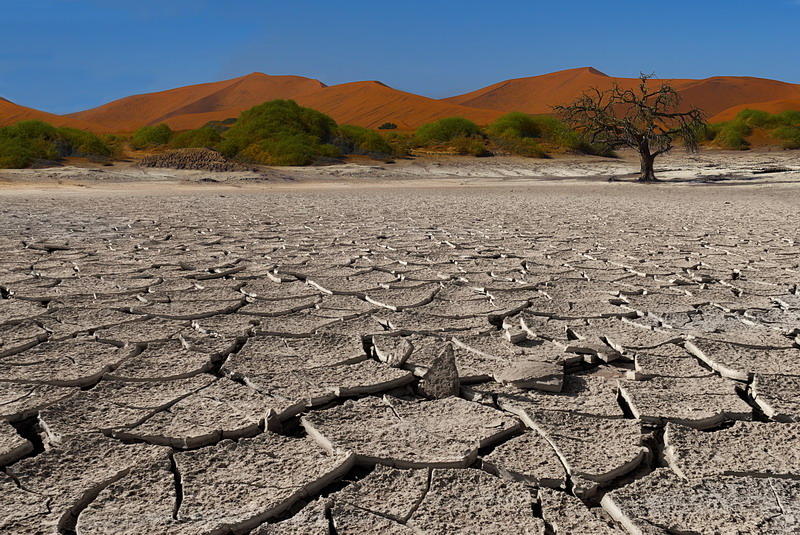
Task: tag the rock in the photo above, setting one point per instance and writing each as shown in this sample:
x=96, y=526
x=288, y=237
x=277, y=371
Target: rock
x=392, y=350
x=238, y=485
x=472, y=501
x=699, y=402
x=745, y=449
x=528, y=458
x=441, y=379
x=193, y=158
x=662, y=501
x=576, y=440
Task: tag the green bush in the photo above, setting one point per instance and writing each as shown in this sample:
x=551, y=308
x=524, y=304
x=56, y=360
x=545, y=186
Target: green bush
x=280, y=132
x=400, y=143
x=472, y=145
x=204, y=137
x=151, y=136
x=789, y=136
x=27, y=141
x=732, y=135
x=445, y=130
x=515, y=124
x=519, y=146
x=784, y=126
x=356, y=140
x=388, y=126
x=220, y=127
x=14, y=154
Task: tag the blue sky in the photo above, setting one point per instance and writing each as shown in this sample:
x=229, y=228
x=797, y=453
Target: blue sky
x=68, y=55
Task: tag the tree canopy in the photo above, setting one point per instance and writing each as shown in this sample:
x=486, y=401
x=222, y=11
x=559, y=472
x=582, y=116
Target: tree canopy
x=648, y=118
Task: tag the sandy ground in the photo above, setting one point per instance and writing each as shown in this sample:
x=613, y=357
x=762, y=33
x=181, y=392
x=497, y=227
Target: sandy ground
x=724, y=167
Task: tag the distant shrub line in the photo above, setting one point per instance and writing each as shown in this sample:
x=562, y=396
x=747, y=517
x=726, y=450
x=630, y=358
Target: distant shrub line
x=280, y=132
x=783, y=127
x=26, y=142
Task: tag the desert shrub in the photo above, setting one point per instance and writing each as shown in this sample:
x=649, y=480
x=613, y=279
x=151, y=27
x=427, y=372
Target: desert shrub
x=790, y=117
x=732, y=135
x=220, y=127
x=519, y=146
x=280, y=132
x=356, y=140
x=444, y=130
x=472, y=145
x=784, y=126
x=297, y=149
x=400, y=143
x=758, y=118
x=387, y=126
x=27, y=141
x=515, y=124
x=789, y=136
x=14, y=154
x=204, y=137
x=81, y=143
x=151, y=136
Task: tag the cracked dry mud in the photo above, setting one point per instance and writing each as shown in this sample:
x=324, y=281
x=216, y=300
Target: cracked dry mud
x=558, y=359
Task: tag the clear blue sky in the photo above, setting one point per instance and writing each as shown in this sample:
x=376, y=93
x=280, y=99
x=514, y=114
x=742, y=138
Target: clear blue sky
x=68, y=55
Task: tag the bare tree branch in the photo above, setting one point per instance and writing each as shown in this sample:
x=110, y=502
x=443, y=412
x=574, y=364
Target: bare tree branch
x=648, y=119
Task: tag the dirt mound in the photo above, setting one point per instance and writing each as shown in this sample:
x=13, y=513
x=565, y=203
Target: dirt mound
x=196, y=159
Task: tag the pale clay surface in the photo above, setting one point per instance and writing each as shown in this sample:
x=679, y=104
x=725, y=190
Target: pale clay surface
x=260, y=354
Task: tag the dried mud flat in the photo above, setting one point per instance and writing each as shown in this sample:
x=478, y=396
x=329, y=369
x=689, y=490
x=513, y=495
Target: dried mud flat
x=554, y=359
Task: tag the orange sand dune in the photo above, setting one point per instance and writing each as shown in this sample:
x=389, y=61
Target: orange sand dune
x=367, y=104
x=370, y=104
x=715, y=95
x=238, y=94
x=11, y=113
x=772, y=106
x=537, y=94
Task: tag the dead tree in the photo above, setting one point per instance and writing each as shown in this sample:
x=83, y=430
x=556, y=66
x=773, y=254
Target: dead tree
x=647, y=119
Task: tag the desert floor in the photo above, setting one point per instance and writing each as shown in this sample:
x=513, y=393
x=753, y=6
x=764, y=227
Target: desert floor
x=425, y=347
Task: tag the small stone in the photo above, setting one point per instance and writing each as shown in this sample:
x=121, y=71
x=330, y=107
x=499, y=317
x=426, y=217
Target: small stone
x=441, y=380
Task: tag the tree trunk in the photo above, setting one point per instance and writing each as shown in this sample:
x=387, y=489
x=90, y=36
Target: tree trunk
x=647, y=174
